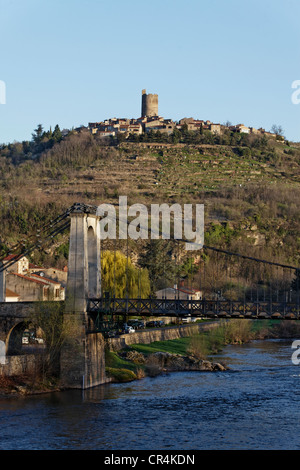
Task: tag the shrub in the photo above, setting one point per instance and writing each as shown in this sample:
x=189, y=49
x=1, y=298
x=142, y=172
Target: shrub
x=198, y=346
x=120, y=375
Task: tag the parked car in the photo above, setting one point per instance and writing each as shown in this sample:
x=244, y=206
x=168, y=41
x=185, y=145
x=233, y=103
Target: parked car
x=186, y=319
x=129, y=329
x=39, y=340
x=135, y=325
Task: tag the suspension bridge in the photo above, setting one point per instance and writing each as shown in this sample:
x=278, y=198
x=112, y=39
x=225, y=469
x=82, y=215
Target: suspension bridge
x=235, y=286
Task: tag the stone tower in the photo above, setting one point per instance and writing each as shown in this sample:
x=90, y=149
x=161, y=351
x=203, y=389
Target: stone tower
x=149, y=104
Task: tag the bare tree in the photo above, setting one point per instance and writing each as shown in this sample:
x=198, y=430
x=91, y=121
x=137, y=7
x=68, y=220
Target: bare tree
x=276, y=129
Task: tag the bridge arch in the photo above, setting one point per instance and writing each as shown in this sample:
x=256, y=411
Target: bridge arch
x=14, y=339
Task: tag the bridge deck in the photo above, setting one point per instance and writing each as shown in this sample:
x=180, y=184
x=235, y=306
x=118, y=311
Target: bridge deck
x=197, y=308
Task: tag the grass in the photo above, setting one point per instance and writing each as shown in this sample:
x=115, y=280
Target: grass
x=213, y=341
x=113, y=360
x=121, y=370
x=121, y=375
x=174, y=346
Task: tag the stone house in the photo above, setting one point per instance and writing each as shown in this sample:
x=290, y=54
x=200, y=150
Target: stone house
x=34, y=287
x=241, y=129
x=20, y=267
x=31, y=283
x=59, y=275
x=183, y=293
x=11, y=296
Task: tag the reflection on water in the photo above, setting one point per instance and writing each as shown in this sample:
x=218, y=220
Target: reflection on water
x=252, y=406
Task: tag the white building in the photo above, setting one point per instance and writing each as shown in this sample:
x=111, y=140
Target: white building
x=183, y=293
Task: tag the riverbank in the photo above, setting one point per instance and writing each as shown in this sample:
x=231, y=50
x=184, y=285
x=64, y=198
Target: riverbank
x=26, y=384
x=189, y=350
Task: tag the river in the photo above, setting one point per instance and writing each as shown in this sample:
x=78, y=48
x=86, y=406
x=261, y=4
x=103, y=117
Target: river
x=254, y=405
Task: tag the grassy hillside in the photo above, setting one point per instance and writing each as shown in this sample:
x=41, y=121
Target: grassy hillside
x=250, y=187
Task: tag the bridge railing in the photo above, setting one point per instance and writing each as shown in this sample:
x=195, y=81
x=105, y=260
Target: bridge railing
x=197, y=308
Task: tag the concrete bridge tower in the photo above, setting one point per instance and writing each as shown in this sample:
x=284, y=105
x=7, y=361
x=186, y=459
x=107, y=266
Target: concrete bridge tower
x=84, y=264
x=149, y=104
x=82, y=363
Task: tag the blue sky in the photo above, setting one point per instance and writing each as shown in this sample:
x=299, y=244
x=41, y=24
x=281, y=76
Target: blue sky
x=71, y=62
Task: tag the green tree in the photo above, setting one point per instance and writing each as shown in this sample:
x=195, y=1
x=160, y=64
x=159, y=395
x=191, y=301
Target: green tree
x=157, y=258
x=38, y=134
x=119, y=276
x=57, y=135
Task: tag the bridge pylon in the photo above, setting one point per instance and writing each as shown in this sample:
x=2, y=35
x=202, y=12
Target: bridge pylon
x=82, y=361
x=84, y=264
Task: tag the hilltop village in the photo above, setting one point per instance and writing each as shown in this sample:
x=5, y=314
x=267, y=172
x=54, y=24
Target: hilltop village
x=151, y=121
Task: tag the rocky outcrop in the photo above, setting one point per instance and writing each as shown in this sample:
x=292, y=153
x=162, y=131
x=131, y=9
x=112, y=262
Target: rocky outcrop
x=175, y=362
x=167, y=362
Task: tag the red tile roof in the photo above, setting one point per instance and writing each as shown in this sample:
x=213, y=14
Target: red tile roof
x=10, y=293
x=29, y=278
x=9, y=257
x=42, y=278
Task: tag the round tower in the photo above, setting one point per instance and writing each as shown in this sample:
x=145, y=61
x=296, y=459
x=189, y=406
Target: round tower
x=149, y=104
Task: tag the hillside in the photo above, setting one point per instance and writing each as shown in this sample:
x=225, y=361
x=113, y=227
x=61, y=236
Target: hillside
x=250, y=188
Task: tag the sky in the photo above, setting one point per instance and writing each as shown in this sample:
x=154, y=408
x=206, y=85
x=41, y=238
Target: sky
x=71, y=62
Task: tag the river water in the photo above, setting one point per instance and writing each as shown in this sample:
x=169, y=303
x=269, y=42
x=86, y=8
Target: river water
x=254, y=405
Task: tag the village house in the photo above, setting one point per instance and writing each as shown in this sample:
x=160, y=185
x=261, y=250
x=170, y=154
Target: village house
x=182, y=293
x=11, y=296
x=20, y=267
x=165, y=126
x=34, y=288
x=151, y=121
x=146, y=124
x=240, y=128
x=26, y=282
x=59, y=275
x=113, y=126
x=196, y=125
